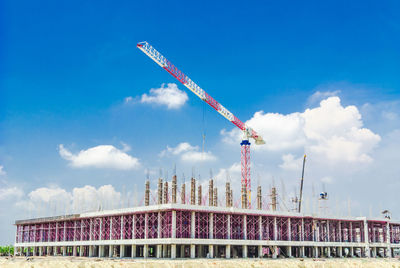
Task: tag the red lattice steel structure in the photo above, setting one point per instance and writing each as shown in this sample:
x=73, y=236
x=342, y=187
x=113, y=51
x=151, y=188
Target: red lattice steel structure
x=192, y=86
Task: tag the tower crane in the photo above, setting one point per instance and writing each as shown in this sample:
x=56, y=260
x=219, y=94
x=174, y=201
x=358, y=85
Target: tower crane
x=192, y=86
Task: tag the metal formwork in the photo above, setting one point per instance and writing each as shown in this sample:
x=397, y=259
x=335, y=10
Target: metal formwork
x=158, y=230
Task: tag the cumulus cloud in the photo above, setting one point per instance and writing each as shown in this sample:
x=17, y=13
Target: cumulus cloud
x=105, y=197
x=290, y=163
x=321, y=95
x=167, y=95
x=330, y=131
x=188, y=153
x=10, y=193
x=2, y=172
x=101, y=156
x=80, y=199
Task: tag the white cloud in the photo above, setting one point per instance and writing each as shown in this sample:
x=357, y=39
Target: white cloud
x=188, y=153
x=47, y=195
x=105, y=197
x=330, y=131
x=128, y=99
x=10, y=192
x=195, y=156
x=58, y=200
x=169, y=96
x=101, y=156
x=327, y=180
x=321, y=95
x=2, y=172
x=290, y=163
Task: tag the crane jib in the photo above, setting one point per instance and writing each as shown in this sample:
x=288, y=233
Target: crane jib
x=186, y=81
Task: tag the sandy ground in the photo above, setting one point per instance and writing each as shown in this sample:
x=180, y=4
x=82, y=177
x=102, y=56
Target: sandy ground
x=65, y=262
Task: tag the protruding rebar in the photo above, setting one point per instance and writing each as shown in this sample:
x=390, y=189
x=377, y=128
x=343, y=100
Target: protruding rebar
x=160, y=191
x=173, y=193
x=231, y=198
x=215, y=197
x=165, y=201
x=228, y=194
x=193, y=191
x=273, y=199
x=199, y=195
x=210, y=192
x=147, y=194
x=183, y=194
x=259, y=199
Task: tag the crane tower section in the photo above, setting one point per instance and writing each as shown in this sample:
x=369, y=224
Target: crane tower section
x=192, y=86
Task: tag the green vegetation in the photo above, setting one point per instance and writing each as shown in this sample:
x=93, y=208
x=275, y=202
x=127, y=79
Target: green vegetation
x=6, y=250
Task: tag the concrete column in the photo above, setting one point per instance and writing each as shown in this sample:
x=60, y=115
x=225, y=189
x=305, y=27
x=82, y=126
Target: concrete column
x=303, y=252
x=192, y=251
x=229, y=226
x=275, y=252
x=34, y=250
x=193, y=225
x=317, y=231
x=327, y=231
x=275, y=230
x=110, y=251
x=260, y=227
x=316, y=252
x=55, y=251
x=65, y=231
x=101, y=249
x=340, y=251
x=40, y=251
x=373, y=252
x=165, y=251
x=367, y=253
x=133, y=226
x=351, y=232
x=122, y=227
x=352, y=252
x=81, y=251
x=64, y=251
x=244, y=227
x=133, y=251
x=228, y=251
x=289, y=251
x=260, y=251
x=244, y=251
x=173, y=251
x=340, y=232
x=182, y=251
x=211, y=250
x=90, y=251
x=289, y=229
x=159, y=225
x=146, y=226
x=388, y=248
x=211, y=225
x=122, y=251
x=159, y=251
x=328, y=252
x=174, y=226
x=146, y=251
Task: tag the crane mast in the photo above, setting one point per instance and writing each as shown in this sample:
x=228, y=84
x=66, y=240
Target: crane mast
x=248, y=132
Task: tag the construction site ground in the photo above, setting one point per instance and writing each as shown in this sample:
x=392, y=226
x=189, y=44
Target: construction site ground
x=77, y=262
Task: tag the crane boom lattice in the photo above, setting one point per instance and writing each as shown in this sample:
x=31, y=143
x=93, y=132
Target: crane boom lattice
x=192, y=86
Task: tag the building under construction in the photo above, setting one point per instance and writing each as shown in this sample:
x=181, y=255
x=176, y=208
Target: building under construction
x=197, y=226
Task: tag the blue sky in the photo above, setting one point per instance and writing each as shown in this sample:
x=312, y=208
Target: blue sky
x=67, y=68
